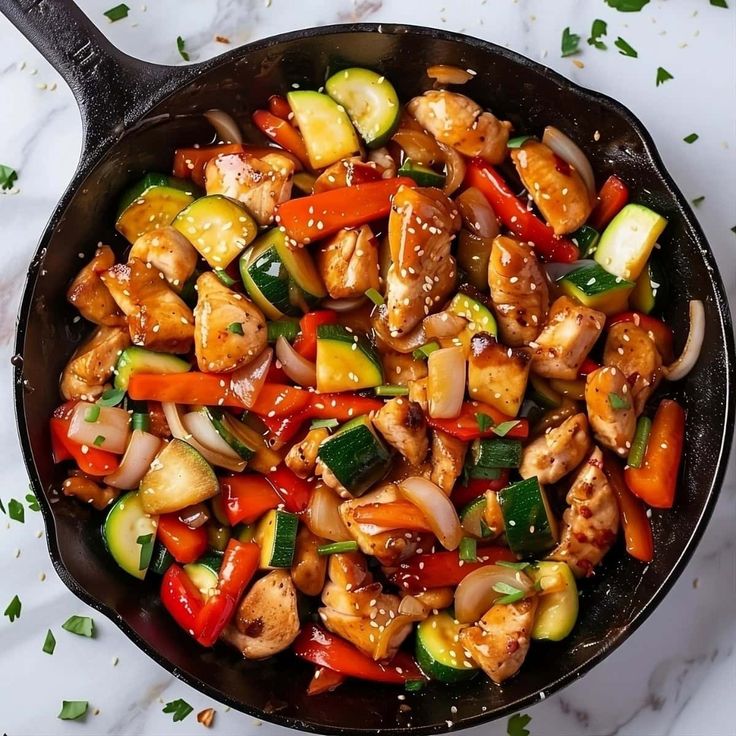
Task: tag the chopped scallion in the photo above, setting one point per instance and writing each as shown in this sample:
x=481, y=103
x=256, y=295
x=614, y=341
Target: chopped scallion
x=92, y=414
x=324, y=424
x=336, y=548
x=375, y=297
x=391, y=390
x=639, y=443
x=425, y=351
x=468, y=549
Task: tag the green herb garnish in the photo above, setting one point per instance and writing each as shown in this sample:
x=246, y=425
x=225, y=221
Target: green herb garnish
x=414, y=686
x=180, y=708
x=324, y=424
x=510, y=594
x=484, y=421
x=618, y=402
x=224, y=276
x=8, y=177
x=32, y=501
x=13, y=609
x=627, y=6
x=502, y=429
x=111, y=397
x=663, y=75
x=570, y=43
x=375, y=296
x=624, y=48
x=236, y=328
x=71, y=710
x=336, y=548
x=425, y=351
x=49, y=643
x=517, y=725
x=517, y=142
x=699, y=200
x=117, y=13
x=691, y=138
x=639, y=443
x=180, y=44
x=141, y=421
x=92, y=414
x=520, y=566
x=597, y=31
x=468, y=550
x=391, y=390
x=99, y=440
x=146, y=543
x=79, y=625
x=719, y=3
x=16, y=511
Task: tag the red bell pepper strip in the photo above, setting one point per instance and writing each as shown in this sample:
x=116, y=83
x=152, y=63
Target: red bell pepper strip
x=189, y=163
x=319, y=215
x=276, y=374
x=181, y=598
x=279, y=106
x=283, y=133
x=322, y=648
x=213, y=618
x=659, y=332
x=282, y=430
x=211, y=389
x=342, y=406
x=293, y=490
x=612, y=197
x=90, y=460
x=324, y=680
x=246, y=497
x=306, y=341
x=440, y=569
x=346, y=174
x=588, y=366
x=184, y=543
x=279, y=400
x=465, y=427
x=516, y=216
x=634, y=519
x=655, y=482
x=463, y=495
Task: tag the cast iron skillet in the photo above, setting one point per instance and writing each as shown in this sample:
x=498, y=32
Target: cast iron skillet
x=134, y=115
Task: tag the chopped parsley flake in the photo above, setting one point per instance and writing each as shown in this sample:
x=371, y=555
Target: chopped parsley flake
x=484, y=421
x=180, y=708
x=618, y=402
x=146, y=543
x=517, y=725
x=111, y=397
x=99, y=440
x=13, y=609
x=699, y=200
x=597, y=31
x=663, y=75
x=691, y=138
x=16, y=511
x=49, y=643
x=625, y=49
x=117, y=13
x=79, y=625
x=570, y=43
x=236, y=328
x=8, y=177
x=627, y=6
x=180, y=44
x=71, y=710
x=719, y=3
x=32, y=501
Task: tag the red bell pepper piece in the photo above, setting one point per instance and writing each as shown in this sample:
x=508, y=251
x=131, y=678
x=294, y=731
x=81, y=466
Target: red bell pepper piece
x=516, y=216
x=306, y=341
x=279, y=106
x=184, y=543
x=282, y=133
x=181, y=598
x=324, y=680
x=283, y=429
x=634, y=519
x=655, y=482
x=90, y=460
x=346, y=174
x=588, y=366
x=342, y=406
x=463, y=495
x=276, y=374
x=293, y=490
x=465, y=427
x=213, y=618
x=211, y=389
x=612, y=197
x=659, y=332
x=440, y=569
x=246, y=497
x=279, y=400
x=322, y=648
x=189, y=163
x=319, y=215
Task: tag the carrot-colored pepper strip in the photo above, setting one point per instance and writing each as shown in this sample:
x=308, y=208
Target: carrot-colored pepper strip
x=283, y=133
x=393, y=515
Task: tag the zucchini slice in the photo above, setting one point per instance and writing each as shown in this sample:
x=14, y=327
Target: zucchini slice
x=325, y=126
x=203, y=577
x=480, y=318
x=126, y=522
x=422, y=175
x=501, y=452
x=596, y=288
x=152, y=202
x=439, y=652
x=587, y=238
x=472, y=519
x=232, y=431
x=530, y=525
x=542, y=393
x=178, y=477
x=371, y=102
x=355, y=455
x=218, y=227
x=162, y=559
x=650, y=289
x=346, y=361
x=557, y=611
x=275, y=534
x=287, y=328
x=139, y=360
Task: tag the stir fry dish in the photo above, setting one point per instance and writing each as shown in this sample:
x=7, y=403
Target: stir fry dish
x=379, y=389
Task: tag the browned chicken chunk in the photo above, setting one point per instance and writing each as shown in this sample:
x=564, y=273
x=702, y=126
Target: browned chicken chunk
x=348, y=263
x=166, y=249
x=302, y=457
x=448, y=458
x=404, y=426
x=610, y=409
x=90, y=296
x=401, y=369
x=87, y=491
x=308, y=568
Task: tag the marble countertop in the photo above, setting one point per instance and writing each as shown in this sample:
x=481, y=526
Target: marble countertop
x=676, y=675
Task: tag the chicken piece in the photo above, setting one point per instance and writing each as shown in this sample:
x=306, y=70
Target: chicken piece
x=259, y=183
x=448, y=458
x=497, y=375
x=492, y=515
x=157, y=318
x=555, y=186
x=267, y=621
x=348, y=570
x=87, y=491
x=556, y=453
x=346, y=173
x=567, y=338
x=308, y=568
x=348, y=263
x=402, y=369
x=610, y=411
x=404, y=426
x=90, y=296
x=436, y=599
x=229, y=330
x=422, y=274
x=590, y=522
x=519, y=291
x=630, y=349
x=93, y=362
x=500, y=641
x=166, y=249
x=418, y=393
x=458, y=121
x=302, y=457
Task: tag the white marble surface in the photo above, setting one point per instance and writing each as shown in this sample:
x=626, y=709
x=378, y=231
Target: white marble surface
x=677, y=674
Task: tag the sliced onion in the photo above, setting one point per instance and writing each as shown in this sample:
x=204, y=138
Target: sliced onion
x=200, y=427
x=446, y=382
x=110, y=423
x=475, y=594
x=402, y=344
x=437, y=508
x=454, y=168
x=570, y=152
x=411, y=606
x=343, y=305
x=393, y=632
x=385, y=160
x=228, y=131
x=323, y=515
x=178, y=430
x=302, y=371
x=478, y=215
x=139, y=454
x=246, y=382
x=446, y=74
x=691, y=352
x=194, y=516
x=419, y=146
x=444, y=324
x=556, y=271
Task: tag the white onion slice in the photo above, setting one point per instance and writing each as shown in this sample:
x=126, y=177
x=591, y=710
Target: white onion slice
x=691, y=352
x=323, y=515
x=110, y=423
x=446, y=382
x=446, y=74
x=556, y=271
x=454, y=168
x=437, y=508
x=478, y=215
x=570, y=152
x=302, y=371
x=139, y=454
x=475, y=595
x=200, y=427
x=246, y=382
x=402, y=343
x=444, y=324
x=343, y=305
x=228, y=131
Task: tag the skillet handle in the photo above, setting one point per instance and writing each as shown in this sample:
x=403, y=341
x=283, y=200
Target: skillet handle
x=111, y=88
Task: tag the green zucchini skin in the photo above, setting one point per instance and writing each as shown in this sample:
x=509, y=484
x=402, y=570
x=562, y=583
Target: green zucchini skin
x=276, y=536
x=139, y=360
x=472, y=519
x=530, y=525
x=125, y=523
x=595, y=287
x=500, y=452
x=226, y=426
x=346, y=361
x=422, y=175
x=435, y=644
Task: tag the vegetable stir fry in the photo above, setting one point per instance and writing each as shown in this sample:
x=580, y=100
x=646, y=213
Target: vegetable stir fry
x=377, y=389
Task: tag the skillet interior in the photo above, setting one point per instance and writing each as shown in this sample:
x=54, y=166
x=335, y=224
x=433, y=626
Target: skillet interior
x=621, y=594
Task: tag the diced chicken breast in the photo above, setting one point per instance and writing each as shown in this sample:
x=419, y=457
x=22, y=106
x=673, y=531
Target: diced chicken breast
x=567, y=338
x=448, y=458
x=519, y=291
x=458, y=121
x=404, y=426
x=87, y=491
x=555, y=186
x=610, y=410
x=229, y=331
x=308, y=568
x=590, y=523
x=302, y=457
x=402, y=368
x=556, y=453
x=166, y=249
x=93, y=362
x=157, y=318
x=90, y=296
x=348, y=263
x=418, y=393
x=348, y=570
